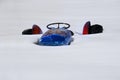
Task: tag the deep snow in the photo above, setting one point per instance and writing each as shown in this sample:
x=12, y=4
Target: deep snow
x=89, y=57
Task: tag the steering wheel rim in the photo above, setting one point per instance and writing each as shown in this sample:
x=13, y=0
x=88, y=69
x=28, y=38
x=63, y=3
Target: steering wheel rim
x=68, y=25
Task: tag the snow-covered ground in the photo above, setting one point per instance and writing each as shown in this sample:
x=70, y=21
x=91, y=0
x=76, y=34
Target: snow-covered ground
x=89, y=57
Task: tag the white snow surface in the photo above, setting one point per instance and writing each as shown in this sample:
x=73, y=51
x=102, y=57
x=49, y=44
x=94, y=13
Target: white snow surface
x=89, y=57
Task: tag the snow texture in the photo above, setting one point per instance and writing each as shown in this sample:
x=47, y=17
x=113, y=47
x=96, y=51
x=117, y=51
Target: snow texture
x=89, y=57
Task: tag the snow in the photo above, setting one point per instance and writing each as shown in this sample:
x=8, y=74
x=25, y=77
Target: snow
x=89, y=57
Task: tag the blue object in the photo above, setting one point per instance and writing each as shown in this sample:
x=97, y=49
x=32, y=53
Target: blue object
x=56, y=37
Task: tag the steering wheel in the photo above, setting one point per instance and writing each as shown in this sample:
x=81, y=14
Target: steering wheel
x=59, y=23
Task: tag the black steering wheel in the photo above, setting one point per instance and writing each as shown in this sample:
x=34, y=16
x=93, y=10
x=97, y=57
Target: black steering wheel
x=59, y=23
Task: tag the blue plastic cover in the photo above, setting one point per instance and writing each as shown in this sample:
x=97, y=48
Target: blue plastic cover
x=56, y=37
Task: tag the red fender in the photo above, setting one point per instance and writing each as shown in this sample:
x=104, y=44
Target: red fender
x=86, y=28
x=36, y=30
